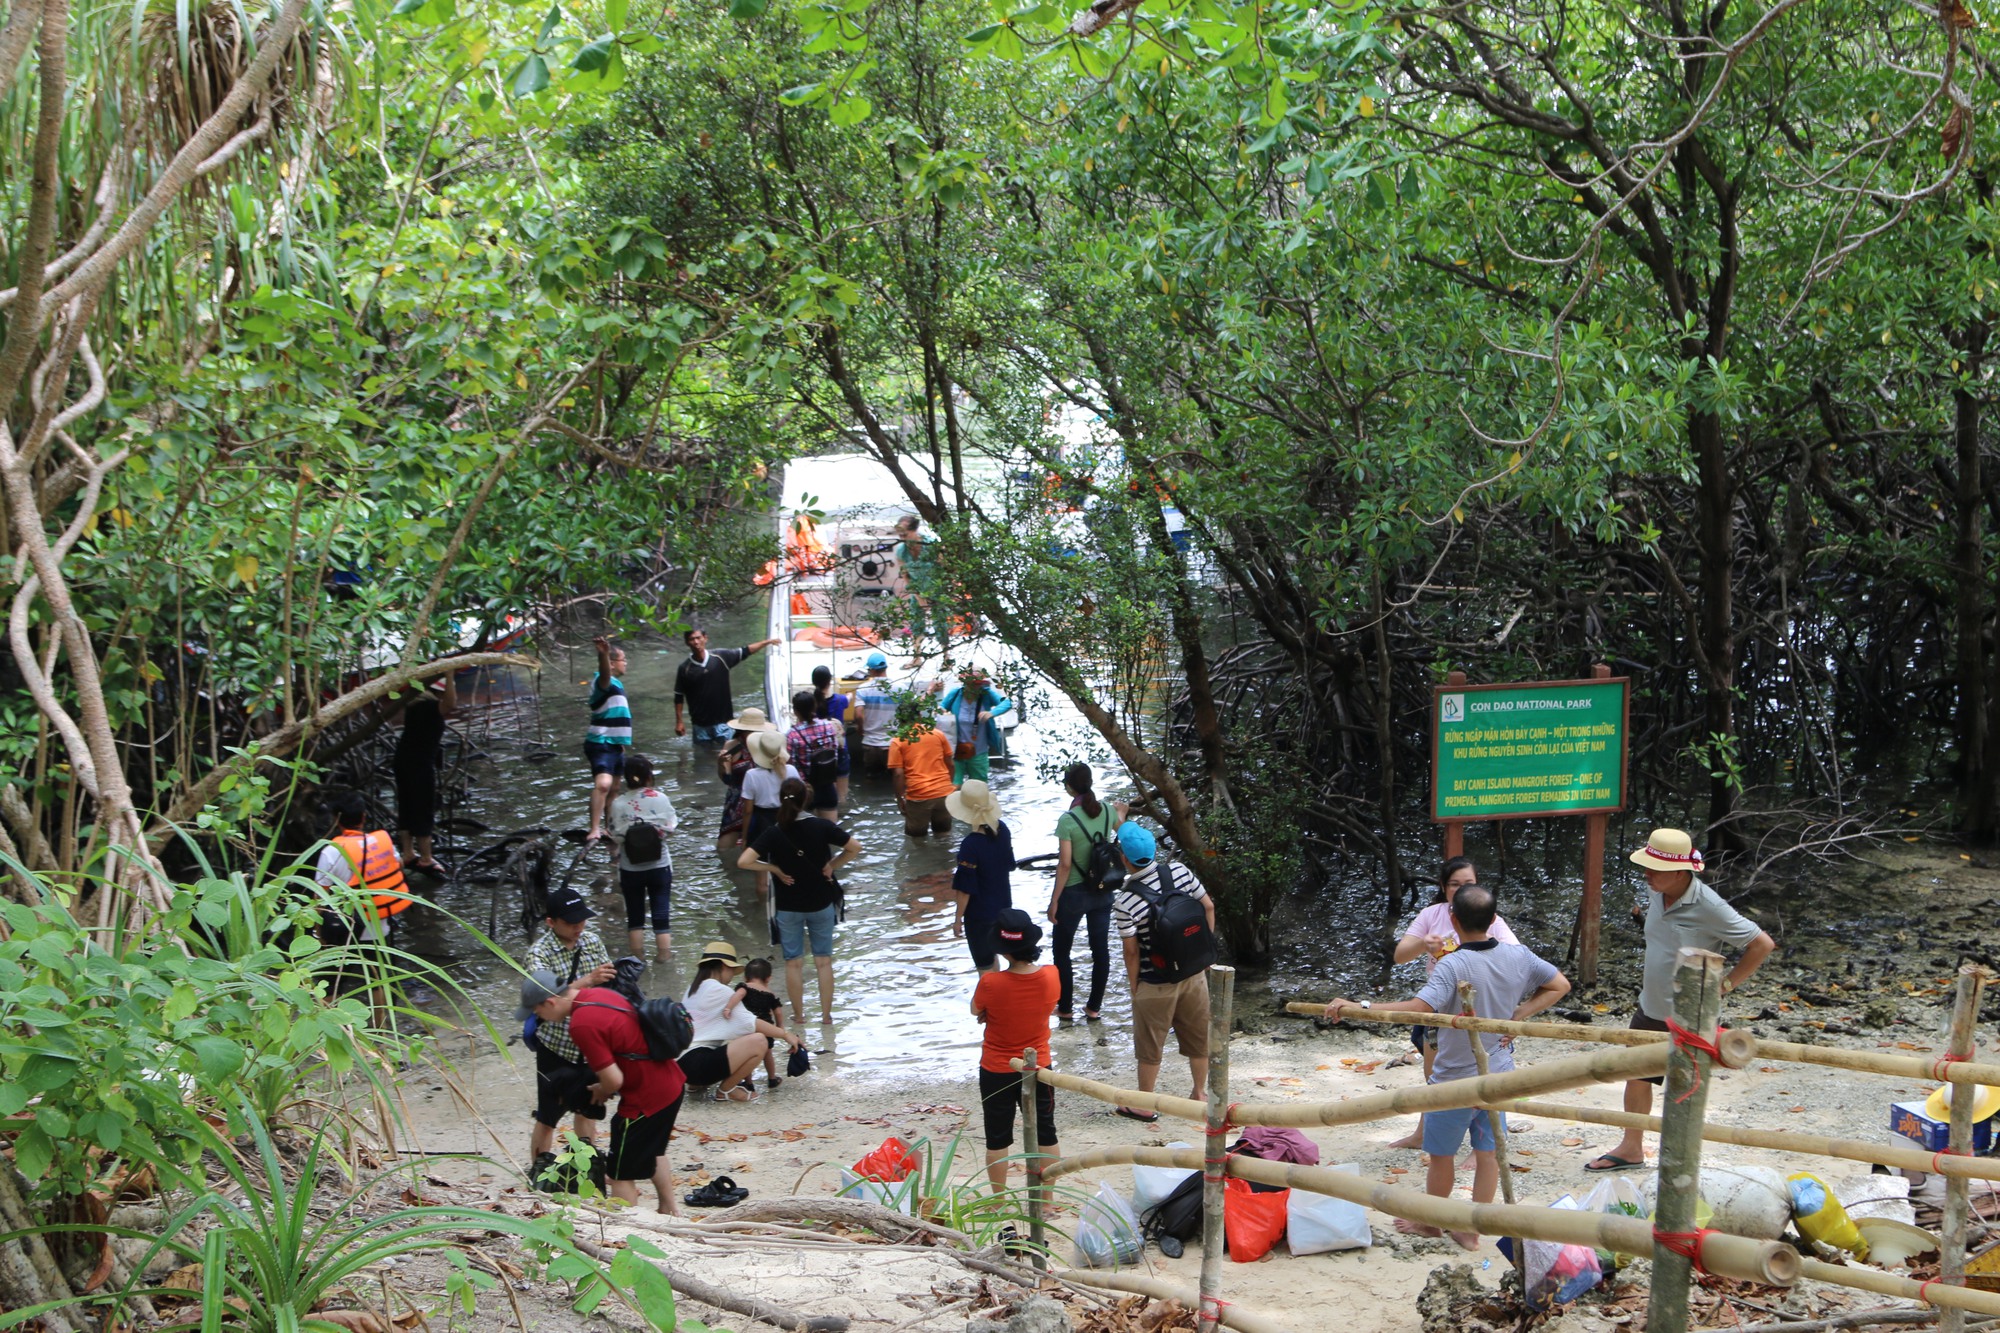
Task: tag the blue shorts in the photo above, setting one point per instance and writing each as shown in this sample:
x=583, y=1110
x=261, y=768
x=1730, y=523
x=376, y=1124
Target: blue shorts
x=1444, y=1131
x=794, y=927
x=605, y=758
x=721, y=731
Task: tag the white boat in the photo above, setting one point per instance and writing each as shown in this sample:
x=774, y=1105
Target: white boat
x=838, y=593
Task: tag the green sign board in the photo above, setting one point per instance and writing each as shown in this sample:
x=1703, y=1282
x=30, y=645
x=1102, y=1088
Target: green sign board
x=1509, y=751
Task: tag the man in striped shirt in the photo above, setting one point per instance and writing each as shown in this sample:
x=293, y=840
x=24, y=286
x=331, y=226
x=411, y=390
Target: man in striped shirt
x=571, y=952
x=610, y=733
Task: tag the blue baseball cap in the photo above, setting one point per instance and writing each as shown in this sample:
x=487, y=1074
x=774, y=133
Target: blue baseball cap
x=877, y=662
x=1137, y=843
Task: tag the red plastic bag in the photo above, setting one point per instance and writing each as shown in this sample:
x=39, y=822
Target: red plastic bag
x=893, y=1161
x=1252, y=1222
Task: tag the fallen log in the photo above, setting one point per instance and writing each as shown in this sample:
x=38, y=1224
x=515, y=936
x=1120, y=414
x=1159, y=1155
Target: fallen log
x=764, y=1312
x=1232, y=1316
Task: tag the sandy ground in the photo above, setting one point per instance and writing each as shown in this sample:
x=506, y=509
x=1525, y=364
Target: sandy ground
x=795, y=1140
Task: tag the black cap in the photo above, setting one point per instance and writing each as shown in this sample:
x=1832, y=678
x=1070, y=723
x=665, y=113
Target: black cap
x=566, y=904
x=1015, y=926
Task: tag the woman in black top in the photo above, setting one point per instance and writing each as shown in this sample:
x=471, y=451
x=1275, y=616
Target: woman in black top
x=419, y=753
x=802, y=852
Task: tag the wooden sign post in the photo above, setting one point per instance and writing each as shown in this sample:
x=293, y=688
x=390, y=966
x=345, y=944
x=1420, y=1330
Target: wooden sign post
x=1536, y=748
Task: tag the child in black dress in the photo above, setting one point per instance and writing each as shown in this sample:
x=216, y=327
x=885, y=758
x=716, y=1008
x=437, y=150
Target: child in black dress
x=755, y=994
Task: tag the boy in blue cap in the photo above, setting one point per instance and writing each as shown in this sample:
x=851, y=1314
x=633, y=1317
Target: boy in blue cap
x=877, y=707
x=1161, y=998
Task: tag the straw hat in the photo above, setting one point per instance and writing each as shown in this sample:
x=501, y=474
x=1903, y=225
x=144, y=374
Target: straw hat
x=1938, y=1105
x=720, y=951
x=1668, y=849
x=975, y=804
x=767, y=749
x=750, y=719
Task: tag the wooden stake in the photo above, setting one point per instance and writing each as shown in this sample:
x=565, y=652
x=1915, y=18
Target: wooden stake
x=1964, y=1025
x=1813, y=1145
x=1731, y=1256
x=1590, y=911
x=1468, y=1001
x=1221, y=1016
x=1697, y=1007
x=1938, y=1293
x=1031, y=1140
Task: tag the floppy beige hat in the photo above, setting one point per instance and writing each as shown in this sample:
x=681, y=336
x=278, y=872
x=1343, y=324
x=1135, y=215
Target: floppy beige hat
x=766, y=749
x=750, y=719
x=974, y=803
x=1668, y=849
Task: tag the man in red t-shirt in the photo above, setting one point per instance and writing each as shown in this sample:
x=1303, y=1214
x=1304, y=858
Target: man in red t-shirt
x=605, y=1028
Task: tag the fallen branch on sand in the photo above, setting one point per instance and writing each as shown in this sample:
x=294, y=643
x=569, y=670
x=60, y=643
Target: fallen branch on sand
x=764, y=1312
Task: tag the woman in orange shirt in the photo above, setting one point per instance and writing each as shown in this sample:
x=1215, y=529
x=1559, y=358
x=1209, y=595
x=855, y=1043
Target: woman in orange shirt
x=1015, y=1003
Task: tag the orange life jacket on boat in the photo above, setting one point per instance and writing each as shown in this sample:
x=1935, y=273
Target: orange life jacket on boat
x=377, y=867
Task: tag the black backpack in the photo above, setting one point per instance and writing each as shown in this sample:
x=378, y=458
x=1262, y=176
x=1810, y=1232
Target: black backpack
x=643, y=844
x=1103, y=867
x=1178, y=1215
x=1179, y=943
x=668, y=1026
x=823, y=763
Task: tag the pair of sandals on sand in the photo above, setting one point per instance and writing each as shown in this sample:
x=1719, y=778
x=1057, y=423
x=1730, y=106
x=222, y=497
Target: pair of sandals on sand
x=722, y=1192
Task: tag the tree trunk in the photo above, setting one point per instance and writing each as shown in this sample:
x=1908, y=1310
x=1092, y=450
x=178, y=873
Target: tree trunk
x=1976, y=779
x=1715, y=534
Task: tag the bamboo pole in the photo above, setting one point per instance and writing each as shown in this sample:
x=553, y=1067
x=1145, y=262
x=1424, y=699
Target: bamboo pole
x=1697, y=1007
x=1031, y=1140
x=1215, y=1152
x=1571, y=1071
x=1468, y=1002
x=1813, y=1145
x=1962, y=1046
x=1232, y=1316
x=1939, y=1293
x=1182, y=1108
x=1912, y=1067
x=1731, y=1256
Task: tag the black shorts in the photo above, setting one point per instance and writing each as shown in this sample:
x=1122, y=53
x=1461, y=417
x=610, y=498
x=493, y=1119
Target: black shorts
x=705, y=1066
x=638, y=1143
x=604, y=758
x=1642, y=1023
x=557, y=1093
x=1000, y=1096
x=979, y=939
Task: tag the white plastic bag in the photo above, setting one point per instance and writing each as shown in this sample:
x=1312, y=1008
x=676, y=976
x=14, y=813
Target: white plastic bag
x=899, y=1197
x=1108, y=1231
x=1556, y=1273
x=1619, y=1196
x=1317, y=1223
x=1150, y=1184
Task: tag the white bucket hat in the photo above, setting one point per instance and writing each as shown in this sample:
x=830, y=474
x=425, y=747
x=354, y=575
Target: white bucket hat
x=767, y=749
x=975, y=804
x=750, y=719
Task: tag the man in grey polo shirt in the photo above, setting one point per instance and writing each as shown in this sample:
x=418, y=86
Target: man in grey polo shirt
x=1681, y=913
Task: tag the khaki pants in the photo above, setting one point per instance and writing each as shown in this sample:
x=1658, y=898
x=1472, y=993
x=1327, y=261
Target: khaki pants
x=921, y=817
x=1181, y=1006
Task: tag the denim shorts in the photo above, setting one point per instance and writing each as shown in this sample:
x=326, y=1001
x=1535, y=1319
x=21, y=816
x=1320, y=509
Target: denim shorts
x=1444, y=1131
x=794, y=927
x=721, y=731
x=604, y=758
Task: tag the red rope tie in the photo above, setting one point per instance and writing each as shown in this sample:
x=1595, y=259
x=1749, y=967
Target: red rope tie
x=1923, y=1288
x=1687, y=1244
x=1229, y=1119
x=1944, y=1063
x=1694, y=1041
x=1944, y=1152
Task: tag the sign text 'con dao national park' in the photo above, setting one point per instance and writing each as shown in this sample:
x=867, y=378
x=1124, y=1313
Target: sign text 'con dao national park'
x=1544, y=748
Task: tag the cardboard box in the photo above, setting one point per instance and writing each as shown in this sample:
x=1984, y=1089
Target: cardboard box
x=1909, y=1120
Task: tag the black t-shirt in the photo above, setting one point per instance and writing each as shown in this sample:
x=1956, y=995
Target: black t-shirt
x=801, y=849
x=704, y=686
x=763, y=1003
x=423, y=731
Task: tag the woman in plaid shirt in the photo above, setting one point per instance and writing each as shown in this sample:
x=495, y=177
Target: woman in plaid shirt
x=816, y=744
x=578, y=958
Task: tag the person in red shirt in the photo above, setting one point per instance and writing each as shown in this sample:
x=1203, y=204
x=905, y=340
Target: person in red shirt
x=605, y=1028
x=1015, y=1003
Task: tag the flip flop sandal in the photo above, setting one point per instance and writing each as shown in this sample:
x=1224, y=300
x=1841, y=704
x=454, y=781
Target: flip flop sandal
x=722, y=1192
x=1612, y=1162
x=1143, y=1117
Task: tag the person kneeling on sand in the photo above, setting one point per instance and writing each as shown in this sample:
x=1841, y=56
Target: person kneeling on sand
x=1509, y=981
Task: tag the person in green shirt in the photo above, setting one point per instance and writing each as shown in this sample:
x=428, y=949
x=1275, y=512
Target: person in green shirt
x=1078, y=895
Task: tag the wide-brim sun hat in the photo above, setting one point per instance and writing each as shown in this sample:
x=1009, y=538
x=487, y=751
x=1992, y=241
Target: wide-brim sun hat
x=720, y=951
x=750, y=719
x=974, y=803
x=1938, y=1105
x=767, y=748
x=1668, y=849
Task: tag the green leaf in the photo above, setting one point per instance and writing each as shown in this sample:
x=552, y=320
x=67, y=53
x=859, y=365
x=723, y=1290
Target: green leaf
x=851, y=111
x=799, y=96
x=594, y=56
x=747, y=9
x=33, y=1152
x=531, y=77
x=615, y=12
x=220, y=1058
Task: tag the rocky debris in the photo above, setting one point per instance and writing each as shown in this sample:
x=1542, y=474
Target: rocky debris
x=1455, y=1301
x=1037, y=1314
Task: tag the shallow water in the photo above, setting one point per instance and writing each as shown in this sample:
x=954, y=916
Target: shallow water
x=902, y=983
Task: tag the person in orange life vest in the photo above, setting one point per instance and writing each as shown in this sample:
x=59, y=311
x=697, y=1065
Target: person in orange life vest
x=356, y=858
